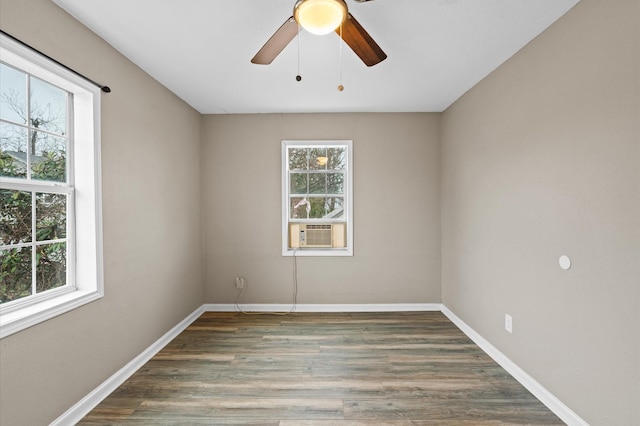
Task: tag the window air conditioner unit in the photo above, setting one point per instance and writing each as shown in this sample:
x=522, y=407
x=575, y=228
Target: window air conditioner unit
x=326, y=235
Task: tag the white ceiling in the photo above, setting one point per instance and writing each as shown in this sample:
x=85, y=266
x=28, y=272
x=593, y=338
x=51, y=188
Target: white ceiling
x=201, y=50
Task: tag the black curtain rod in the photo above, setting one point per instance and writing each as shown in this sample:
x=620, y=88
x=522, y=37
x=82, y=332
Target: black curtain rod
x=105, y=89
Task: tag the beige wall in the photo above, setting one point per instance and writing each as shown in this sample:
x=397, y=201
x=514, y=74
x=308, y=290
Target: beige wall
x=396, y=209
x=541, y=159
x=152, y=239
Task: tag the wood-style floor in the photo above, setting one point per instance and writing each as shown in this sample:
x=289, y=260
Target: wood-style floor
x=348, y=369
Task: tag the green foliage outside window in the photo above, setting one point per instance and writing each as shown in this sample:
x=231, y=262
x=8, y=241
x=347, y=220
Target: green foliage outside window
x=33, y=147
x=16, y=222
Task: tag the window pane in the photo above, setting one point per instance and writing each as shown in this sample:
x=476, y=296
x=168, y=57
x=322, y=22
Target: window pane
x=333, y=208
x=298, y=158
x=335, y=183
x=13, y=150
x=317, y=183
x=326, y=183
x=298, y=207
x=48, y=107
x=15, y=217
x=298, y=183
x=51, y=268
x=336, y=158
x=326, y=207
x=318, y=158
x=13, y=98
x=49, y=159
x=15, y=274
x=51, y=216
x=317, y=207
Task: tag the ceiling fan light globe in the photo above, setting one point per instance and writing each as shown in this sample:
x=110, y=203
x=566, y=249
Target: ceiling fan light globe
x=320, y=16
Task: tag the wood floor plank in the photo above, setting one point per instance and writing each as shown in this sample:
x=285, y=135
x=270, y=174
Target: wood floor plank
x=304, y=369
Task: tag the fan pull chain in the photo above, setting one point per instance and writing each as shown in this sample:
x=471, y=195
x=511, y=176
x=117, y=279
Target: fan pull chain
x=298, y=76
x=340, y=86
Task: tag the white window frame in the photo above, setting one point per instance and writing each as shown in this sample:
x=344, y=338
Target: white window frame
x=85, y=275
x=348, y=200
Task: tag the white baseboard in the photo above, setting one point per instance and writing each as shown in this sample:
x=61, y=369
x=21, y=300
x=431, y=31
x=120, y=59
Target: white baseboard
x=74, y=414
x=547, y=398
x=89, y=402
x=365, y=307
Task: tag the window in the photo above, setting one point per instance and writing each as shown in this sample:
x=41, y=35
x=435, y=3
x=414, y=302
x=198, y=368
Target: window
x=317, y=198
x=50, y=230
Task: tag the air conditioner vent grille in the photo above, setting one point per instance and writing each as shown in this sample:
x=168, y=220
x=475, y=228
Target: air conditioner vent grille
x=319, y=235
x=318, y=226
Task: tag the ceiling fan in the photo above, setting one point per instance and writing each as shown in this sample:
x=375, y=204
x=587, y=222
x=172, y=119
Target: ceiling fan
x=322, y=17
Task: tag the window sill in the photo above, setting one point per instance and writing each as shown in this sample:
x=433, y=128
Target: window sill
x=303, y=252
x=13, y=322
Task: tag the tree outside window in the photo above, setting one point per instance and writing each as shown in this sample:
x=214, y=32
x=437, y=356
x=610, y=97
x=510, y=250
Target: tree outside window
x=34, y=187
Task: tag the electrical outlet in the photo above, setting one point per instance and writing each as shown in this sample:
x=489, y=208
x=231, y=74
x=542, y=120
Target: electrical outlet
x=508, y=323
x=240, y=283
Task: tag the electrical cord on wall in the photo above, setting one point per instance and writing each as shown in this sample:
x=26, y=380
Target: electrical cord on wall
x=294, y=302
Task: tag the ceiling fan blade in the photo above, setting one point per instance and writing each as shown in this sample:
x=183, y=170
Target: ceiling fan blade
x=278, y=41
x=361, y=42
